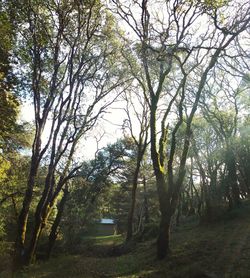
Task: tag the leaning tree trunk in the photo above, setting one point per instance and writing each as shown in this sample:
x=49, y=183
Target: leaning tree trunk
x=53, y=233
x=41, y=215
x=20, y=252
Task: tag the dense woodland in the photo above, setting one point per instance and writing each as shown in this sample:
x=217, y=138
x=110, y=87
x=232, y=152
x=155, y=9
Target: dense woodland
x=174, y=78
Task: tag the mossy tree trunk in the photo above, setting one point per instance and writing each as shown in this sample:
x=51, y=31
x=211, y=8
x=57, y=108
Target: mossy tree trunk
x=54, y=229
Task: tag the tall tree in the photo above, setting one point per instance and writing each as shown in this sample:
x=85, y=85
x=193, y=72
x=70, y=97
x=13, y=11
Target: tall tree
x=222, y=108
x=10, y=129
x=176, y=57
x=92, y=181
x=67, y=53
x=136, y=119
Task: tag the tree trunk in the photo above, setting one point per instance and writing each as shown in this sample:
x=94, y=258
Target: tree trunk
x=131, y=216
x=40, y=220
x=29, y=258
x=54, y=228
x=163, y=240
x=179, y=210
x=132, y=208
x=42, y=212
x=140, y=154
x=232, y=179
x=146, y=213
x=19, y=255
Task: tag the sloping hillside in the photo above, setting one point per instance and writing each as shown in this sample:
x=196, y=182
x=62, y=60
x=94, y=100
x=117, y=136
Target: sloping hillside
x=221, y=249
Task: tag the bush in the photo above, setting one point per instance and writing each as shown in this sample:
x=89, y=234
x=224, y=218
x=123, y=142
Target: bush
x=150, y=231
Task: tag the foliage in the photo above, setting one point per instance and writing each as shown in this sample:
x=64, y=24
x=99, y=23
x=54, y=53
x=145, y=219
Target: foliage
x=219, y=249
x=184, y=90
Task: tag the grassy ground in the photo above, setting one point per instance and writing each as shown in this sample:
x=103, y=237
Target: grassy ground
x=218, y=250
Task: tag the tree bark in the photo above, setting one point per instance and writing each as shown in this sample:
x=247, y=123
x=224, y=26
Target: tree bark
x=146, y=213
x=133, y=199
x=19, y=255
x=41, y=215
x=53, y=233
x=163, y=240
x=232, y=179
x=163, y=248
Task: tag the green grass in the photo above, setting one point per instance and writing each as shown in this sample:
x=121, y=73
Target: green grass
x=219, y=250
x=6, y=248
x=104, y=240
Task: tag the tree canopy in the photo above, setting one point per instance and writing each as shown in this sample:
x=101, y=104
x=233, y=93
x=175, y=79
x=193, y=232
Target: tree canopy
x=176, y=71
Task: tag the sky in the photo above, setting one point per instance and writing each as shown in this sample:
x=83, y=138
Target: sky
x=108, y=129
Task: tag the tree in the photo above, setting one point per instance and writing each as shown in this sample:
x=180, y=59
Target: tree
x=10, y=130
x=69, y=75
x=175, y=65
x=223, y=115
x=136, y=114
x=92, y=181
x=14, y=135
x=207, y=159
x=243, y=156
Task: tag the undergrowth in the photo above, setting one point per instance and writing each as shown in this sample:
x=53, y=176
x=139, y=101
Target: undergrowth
x=221, y=249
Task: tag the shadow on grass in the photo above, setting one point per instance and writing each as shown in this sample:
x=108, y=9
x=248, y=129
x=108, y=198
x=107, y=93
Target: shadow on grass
x=220, y=249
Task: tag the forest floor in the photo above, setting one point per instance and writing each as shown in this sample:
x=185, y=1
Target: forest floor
x=221, y=249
